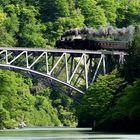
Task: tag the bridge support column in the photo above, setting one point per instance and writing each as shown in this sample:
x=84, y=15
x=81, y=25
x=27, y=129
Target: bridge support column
x=121, y=59
x=86, y=73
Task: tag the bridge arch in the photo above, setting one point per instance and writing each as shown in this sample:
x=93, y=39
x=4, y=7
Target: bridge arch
x=51, y=84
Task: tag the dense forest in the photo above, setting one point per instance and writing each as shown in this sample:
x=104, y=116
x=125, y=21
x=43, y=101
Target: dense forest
x=112, y=103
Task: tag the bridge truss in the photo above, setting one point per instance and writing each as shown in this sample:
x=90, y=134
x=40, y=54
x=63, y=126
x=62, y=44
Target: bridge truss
x=71, y=71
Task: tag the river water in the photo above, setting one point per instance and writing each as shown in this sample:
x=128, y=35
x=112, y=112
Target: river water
x=62, y=134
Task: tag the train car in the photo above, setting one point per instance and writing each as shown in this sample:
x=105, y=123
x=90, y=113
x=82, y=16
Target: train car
x=91, y=44
x=92, y=39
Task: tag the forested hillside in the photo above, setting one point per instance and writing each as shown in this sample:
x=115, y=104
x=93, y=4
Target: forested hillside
x=39, y=23
x=112, y=101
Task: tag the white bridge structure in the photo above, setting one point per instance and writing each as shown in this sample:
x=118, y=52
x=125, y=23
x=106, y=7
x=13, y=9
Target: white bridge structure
x=70, y=71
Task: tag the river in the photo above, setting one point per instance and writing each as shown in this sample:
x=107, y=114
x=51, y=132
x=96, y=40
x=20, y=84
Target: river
x=62, y=134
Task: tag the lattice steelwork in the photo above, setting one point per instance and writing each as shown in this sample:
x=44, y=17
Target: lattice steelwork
x=71, y=71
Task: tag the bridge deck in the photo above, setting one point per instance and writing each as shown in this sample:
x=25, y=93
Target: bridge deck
x=62, y=50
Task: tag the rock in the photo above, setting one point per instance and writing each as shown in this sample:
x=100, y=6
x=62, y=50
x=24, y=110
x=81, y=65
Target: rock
x=22, y=125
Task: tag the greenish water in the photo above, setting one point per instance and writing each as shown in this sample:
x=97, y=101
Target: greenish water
x=61, y=134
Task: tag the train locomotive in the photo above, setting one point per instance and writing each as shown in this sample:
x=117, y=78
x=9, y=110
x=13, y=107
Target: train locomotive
x=91, y=39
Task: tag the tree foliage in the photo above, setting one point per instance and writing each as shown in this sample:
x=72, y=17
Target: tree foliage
x=6, y=37
x=110, y=9
x=17, y=104
x=99, y=98
x=132, y=66
x=39, y=23
x=128, y=13
x=94, y=14
x=124, y=116
x=51, y=10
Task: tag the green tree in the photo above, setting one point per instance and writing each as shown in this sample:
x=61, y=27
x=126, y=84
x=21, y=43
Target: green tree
x=128, y=13
x=99, y=98
x=53, y=9
x=132, y=66
x=4, y=115
x=128, y=104
x=110, y=9
x=19, y=105
x=57, y=28
x=124, y=116
x=65, y=108
x=6, y=38
x=93, y=13
x=23, y=24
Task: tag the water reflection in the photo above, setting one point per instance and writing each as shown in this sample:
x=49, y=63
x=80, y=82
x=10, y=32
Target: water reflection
x=61, y=134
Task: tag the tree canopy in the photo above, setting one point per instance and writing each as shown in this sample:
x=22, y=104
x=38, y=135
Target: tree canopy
x=109, y=103
x=40, y=23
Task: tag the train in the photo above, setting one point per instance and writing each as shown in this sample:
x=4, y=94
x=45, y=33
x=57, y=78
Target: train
x=79, y=44
x=92, y=39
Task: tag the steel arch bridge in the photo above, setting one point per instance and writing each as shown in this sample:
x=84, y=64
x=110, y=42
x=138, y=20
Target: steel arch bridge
x=70, y=71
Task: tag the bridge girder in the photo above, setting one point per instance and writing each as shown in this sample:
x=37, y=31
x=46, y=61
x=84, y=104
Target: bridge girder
x=70, y=68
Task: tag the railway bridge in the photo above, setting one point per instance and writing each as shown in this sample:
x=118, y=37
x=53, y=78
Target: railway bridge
x=70, y=71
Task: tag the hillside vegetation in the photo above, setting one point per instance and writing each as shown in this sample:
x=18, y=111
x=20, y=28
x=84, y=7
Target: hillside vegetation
x=112, y=103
